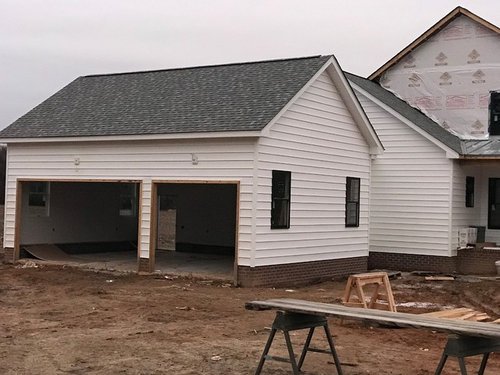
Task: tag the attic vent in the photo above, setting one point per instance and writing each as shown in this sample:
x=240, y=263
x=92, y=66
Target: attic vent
x=494, y=107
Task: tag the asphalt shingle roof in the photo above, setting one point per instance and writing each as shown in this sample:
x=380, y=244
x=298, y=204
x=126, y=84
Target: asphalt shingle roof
x=232, y=97
x=409, y=112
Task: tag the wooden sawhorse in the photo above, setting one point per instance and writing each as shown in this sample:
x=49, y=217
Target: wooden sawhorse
x=380, y=281
x=461, y=347
x=287, y=322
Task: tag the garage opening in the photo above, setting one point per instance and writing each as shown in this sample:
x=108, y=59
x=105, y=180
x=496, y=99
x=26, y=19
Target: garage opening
x=82, y=222
x=196, y=226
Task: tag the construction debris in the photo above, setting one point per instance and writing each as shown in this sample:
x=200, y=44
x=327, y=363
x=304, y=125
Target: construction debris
x=439, y=278
x=28, y=264
x=461, y=313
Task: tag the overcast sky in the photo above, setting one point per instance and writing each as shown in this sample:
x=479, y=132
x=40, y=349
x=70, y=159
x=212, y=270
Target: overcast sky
x=45, y=44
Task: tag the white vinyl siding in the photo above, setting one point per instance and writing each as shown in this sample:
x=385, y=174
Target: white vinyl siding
x=410, y=189
x=218, y=160
x=317, y=140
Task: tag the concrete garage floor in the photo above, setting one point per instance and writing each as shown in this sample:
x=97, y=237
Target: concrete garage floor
x=210, y=266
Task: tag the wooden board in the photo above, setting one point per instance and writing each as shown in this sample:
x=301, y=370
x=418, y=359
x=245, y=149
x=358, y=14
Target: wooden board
x=387, y=318
x=461, y=313
x=440, y=278
x=48, y=252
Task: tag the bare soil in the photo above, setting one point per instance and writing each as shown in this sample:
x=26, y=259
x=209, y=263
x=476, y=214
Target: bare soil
x=63, y=320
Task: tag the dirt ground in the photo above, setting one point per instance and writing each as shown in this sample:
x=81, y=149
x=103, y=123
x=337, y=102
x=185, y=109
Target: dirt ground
x=62, y=320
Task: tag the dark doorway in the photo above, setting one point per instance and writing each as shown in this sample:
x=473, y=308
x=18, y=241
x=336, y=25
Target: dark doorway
x=494, y=203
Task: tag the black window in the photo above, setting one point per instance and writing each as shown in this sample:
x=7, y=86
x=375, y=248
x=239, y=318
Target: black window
x=469, y=191
x=494, y=127
x=494, y=203
x=280, y=205
x=352, y=202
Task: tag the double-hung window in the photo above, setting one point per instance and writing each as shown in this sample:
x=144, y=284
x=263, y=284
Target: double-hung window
x=280, y=202
x=352, y=202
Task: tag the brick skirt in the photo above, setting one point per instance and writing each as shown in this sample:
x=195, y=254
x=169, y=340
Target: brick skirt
x=300, y=273
x=468, y=261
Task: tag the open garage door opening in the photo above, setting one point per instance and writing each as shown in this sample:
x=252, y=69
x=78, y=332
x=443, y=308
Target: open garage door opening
x=196, y=229
x=93, y=223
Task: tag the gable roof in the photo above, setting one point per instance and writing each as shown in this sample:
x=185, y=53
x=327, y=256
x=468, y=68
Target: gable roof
x=232, y=97
x=458, y=11
x=423, y=122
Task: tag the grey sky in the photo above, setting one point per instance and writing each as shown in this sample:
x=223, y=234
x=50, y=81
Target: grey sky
x=45, y=44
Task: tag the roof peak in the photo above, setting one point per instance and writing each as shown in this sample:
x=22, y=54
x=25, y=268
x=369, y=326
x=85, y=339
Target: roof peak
x=437, y=27
x=205, y=66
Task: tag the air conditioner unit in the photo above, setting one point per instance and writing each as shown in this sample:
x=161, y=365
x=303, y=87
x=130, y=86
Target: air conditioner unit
x=467, y=236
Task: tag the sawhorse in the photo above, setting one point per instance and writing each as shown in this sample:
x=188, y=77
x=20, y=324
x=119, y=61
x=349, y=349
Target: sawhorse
x=287, y=322
x=461, y=347
x=354, y=295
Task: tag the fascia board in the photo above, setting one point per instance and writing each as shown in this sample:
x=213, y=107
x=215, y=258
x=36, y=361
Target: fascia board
x=143, y=137
x=355, y=108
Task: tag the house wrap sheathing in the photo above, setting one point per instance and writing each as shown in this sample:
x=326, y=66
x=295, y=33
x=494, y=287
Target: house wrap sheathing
x=450, y=75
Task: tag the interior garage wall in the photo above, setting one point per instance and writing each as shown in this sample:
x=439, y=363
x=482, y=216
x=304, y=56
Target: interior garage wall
x=78, y=212
x=206, y=213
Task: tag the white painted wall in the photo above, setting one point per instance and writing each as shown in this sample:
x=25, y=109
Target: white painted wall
x=227, y=159
x=318, y=141
x=93, y=217
x=410, y=200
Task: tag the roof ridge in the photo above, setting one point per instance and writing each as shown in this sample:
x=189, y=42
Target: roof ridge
x=203, y=66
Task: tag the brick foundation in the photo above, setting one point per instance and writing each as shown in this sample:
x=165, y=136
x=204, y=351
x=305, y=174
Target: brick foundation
x=144, y=265
x=411, y=262
x=9, y=255
x=477, y=261
x=300, y=273
x=468, y=261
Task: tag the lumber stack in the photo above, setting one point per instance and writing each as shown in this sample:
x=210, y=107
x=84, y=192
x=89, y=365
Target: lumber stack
x=462, y=313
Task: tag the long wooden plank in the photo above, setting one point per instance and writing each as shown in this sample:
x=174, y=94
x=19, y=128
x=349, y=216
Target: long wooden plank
x=453, y=313
x=388, y=318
